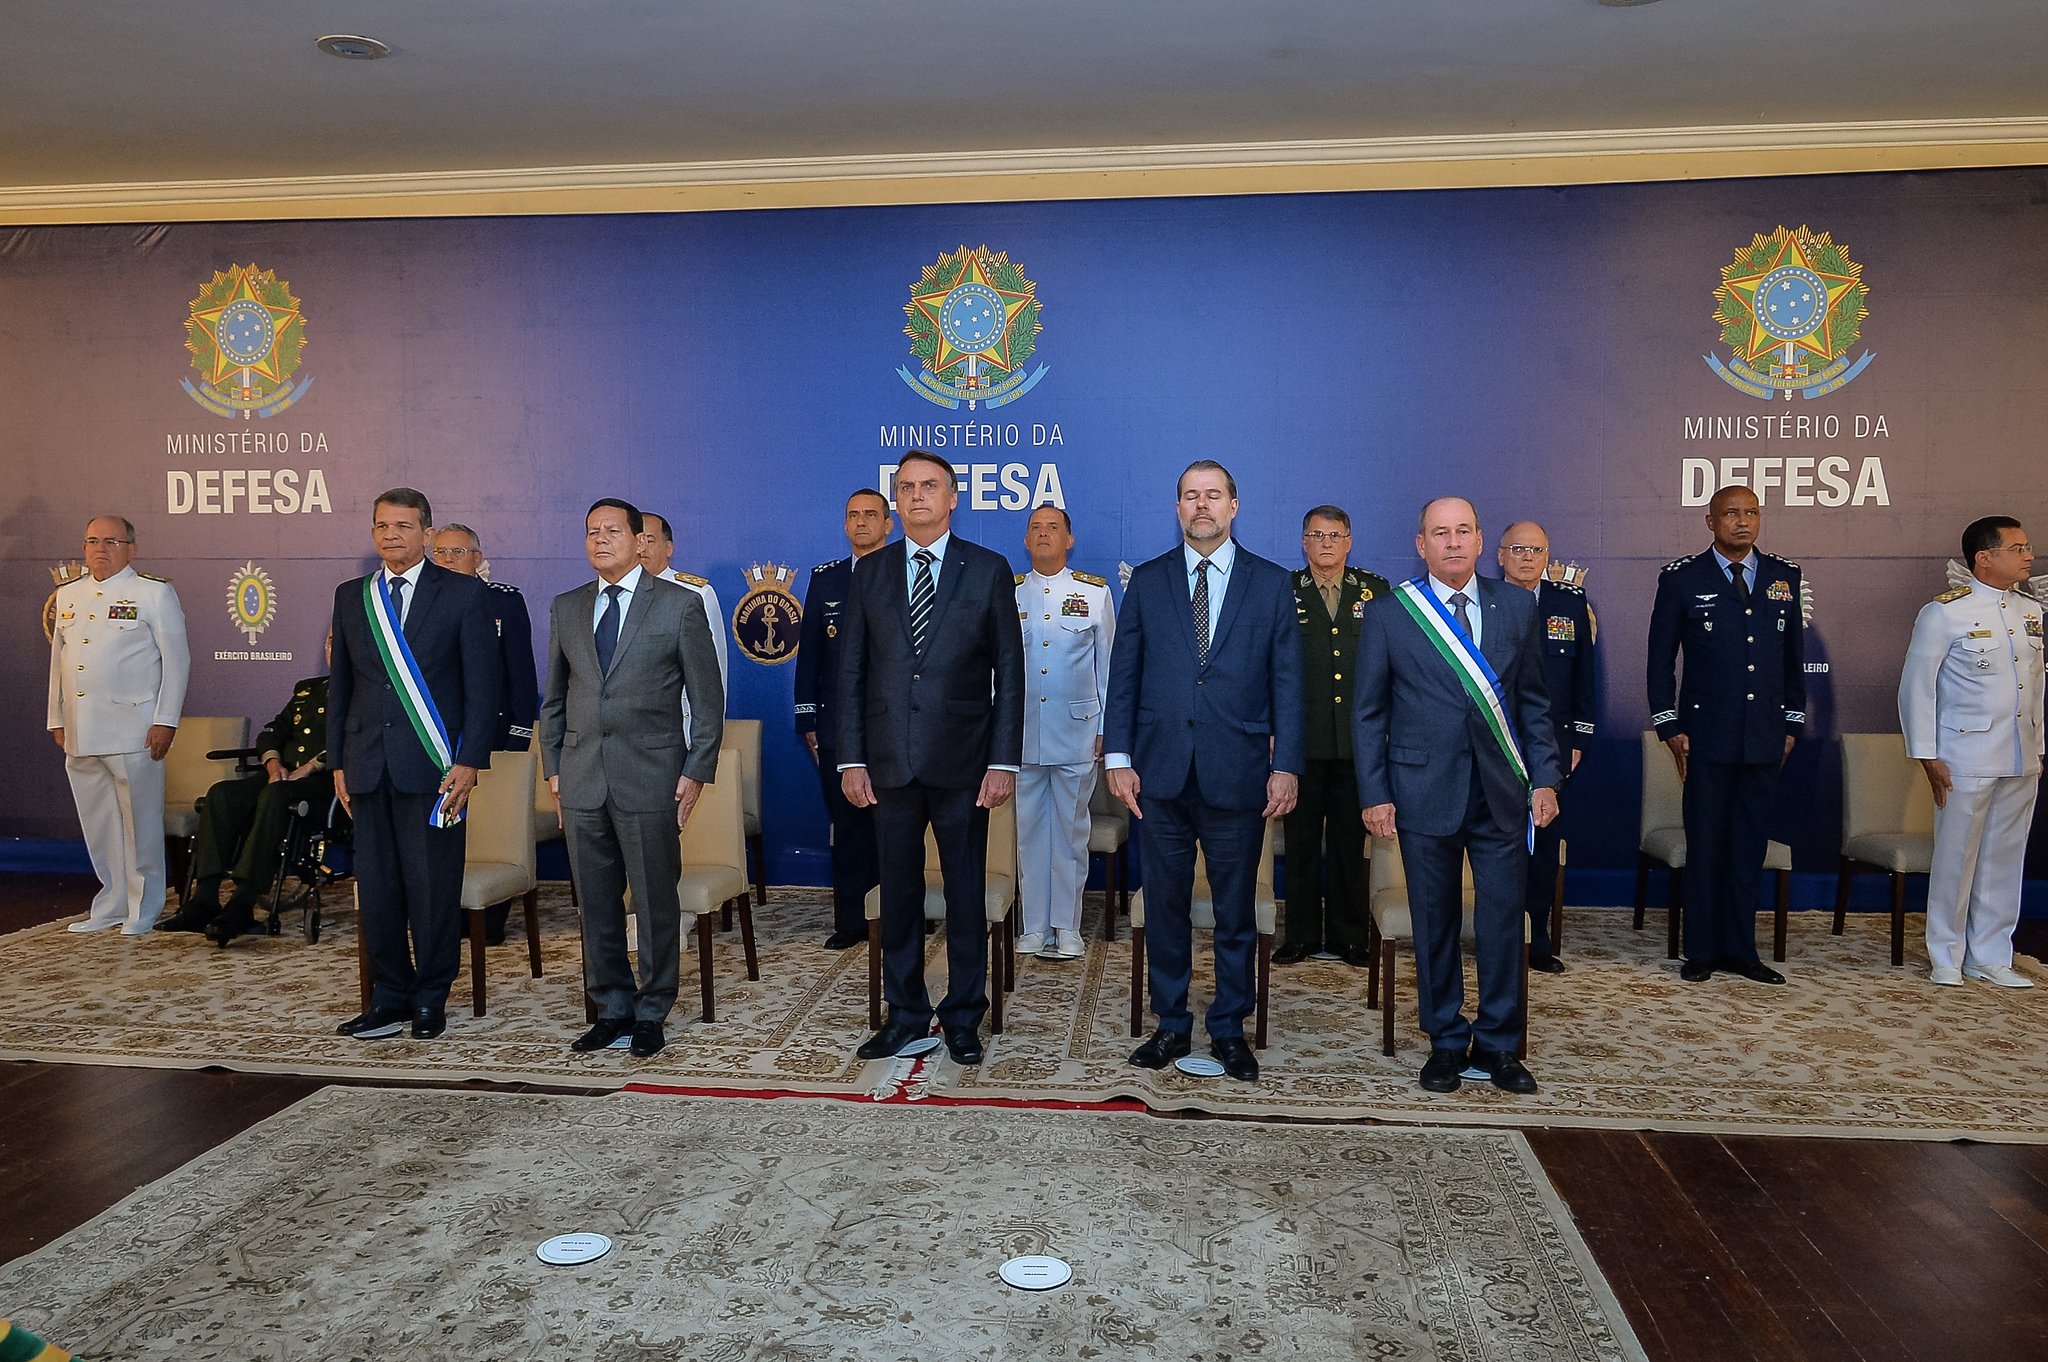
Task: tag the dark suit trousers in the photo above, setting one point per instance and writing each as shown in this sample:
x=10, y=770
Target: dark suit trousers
x=1542, y=884
x=855, y=869
x=408, y=882
x=1436, y=874
x=1326, y=894
x=961, y=831
x=609, y=849
x=1727, y=810
x=1231, y=841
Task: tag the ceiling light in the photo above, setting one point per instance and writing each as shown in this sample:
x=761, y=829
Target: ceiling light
x=352, y=46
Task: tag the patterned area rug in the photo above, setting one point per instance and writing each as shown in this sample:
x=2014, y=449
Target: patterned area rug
x=1850, y=1046
x=372, y=1223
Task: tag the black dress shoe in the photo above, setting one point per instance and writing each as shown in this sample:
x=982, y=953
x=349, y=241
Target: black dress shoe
x=1293, y=953
x=375, y=1024
x=888, y=1042
x=1753, y=969
x=428, y=1022
x=601, y=1034
x=963, y=1043
x=1695, y=971
x=1444, y=1070
x=1549, y=964
x=1236, y=1057
x=1358, y=957
x=648, y=1039
x=191, y=918
x=1161, y=1050
x=237, y=917
x=1503, y=1070
x=844, y=941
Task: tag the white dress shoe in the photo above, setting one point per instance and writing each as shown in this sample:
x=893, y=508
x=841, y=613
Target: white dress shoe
x=1948, y=976
x=1066, y=946
x=94, y=924
x=137, y=928
x=2005, y=976
x=1031, y=943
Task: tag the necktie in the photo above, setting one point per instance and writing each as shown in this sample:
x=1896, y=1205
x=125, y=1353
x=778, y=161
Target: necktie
x=1202, y=610
x=398, y=585
x=1331, y=595
x=608, y=628
x=1459, y=600
x=922, y=594
x=1735, y=576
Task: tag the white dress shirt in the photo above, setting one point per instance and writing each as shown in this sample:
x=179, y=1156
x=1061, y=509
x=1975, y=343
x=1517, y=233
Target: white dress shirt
x=411, y=577
x=628, y=585
x=1472, y=611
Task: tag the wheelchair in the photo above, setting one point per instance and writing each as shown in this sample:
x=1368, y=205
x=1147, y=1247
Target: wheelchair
x=318, y=834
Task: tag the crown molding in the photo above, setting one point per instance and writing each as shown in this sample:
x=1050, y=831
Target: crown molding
x=1069, y=172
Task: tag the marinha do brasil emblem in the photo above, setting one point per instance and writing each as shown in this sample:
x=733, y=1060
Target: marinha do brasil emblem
x=1790, y=309
x=973, y=325
x=246, y=334
x=768, y=621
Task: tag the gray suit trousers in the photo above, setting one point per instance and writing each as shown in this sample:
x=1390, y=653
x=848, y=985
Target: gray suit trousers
x=610, y=848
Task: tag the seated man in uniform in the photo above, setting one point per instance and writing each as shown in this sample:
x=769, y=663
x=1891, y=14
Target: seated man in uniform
x=242, y=821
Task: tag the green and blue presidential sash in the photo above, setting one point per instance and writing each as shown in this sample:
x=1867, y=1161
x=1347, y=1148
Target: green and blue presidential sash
x=403, y=669
x=1481, y=683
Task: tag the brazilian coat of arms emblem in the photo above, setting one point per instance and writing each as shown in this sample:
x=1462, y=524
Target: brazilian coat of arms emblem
x=1790, y=308
x=246, y=334
x=252, y=600
x=973, y=327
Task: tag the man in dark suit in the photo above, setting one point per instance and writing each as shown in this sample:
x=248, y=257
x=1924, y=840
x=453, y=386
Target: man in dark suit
x=931, y=733
x=412, y=710
x=1569, y=675
x=1735, y=612
x=854, y=868
x=624, y=771
x=1451, y=734
x=1203, y=742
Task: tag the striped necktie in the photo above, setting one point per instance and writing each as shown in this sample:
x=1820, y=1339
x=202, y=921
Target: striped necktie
x=922, y=594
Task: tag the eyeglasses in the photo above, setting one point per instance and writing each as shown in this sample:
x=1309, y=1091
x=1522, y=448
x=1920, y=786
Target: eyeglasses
x=93, y=541
x=456, y=551
x=1326, y=536
x=2002, y=548
x=1524, y=550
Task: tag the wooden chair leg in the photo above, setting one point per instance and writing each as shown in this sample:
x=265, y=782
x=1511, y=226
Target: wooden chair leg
x=1557, y=914
x=1123, y=880
x=1137, y=981
x=1642, y=887
x=1265, y=982
x=757, y=854
x=874, y=974
x=1674, y=917
x=1387, y=998
x=704, y=964
x=1898, y=918
x=476, y=960
x=1778, y=919
x=1372, y=974
x=533, y=930
x=1009, y=927
x=998, y=943
x=1841, y=894
x=725, y=916
x=747, y=937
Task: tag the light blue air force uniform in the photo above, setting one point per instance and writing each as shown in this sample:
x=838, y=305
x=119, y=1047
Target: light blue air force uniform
x=1069, y=624
x=1971, y=696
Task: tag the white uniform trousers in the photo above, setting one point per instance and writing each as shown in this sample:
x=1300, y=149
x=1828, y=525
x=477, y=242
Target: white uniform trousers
x=1980, y=852
x=120, y=800
x=1052, y=845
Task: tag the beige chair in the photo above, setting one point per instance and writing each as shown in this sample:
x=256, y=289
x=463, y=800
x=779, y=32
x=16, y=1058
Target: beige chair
x=1887, y=822
x=1109, y=839
x=743, y=738
x=188, y=775
x=547, y=824
x=498, y=859
x=1663, y=844
x=714, y=877
x=1202, y=913
x=999, y=902
x=1392, y=923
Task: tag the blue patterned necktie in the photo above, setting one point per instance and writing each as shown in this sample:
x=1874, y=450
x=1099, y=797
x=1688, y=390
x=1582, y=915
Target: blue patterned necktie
x=398, y=585
x=1202, y=610
x=922, y=594
x=608, y=629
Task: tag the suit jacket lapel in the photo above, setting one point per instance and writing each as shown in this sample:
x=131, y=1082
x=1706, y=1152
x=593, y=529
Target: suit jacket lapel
x=1182, y=595
x=642, y=602
x=580, y=630
x=424, y=598
x=1493, y=633
x=893, y=568
x=950, y=571
x=1233, y=600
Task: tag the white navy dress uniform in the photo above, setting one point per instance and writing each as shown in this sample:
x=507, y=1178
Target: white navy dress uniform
x=1069, y=625
x=1970, y=696
x=708, y=594
x=118, y=667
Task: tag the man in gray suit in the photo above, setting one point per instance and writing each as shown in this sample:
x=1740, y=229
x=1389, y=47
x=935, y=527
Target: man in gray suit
x=624, y=775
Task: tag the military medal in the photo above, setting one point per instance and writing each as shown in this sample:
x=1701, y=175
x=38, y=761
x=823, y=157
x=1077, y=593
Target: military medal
x=1562, y=629
x=1780, y=590
x=1358, y=606
x=122, y=610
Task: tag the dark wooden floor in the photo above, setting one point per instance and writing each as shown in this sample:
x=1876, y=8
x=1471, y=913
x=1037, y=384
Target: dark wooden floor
x=1720, y=1248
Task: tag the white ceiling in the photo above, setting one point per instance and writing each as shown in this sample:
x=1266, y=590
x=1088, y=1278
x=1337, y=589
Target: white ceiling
x=234, y=89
